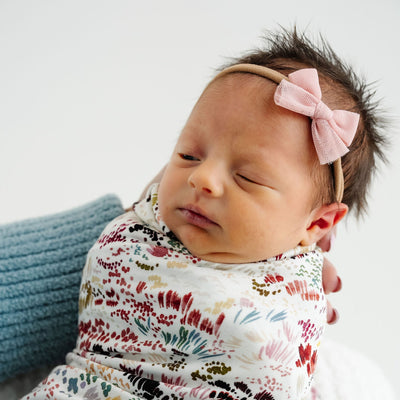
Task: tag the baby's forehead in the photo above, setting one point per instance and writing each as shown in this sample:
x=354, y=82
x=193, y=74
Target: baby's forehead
x=242, y=105
x=253, y=86
x=252, y=98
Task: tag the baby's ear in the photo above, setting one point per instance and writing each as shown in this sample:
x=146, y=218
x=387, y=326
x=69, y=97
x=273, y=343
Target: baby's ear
x=324, y=219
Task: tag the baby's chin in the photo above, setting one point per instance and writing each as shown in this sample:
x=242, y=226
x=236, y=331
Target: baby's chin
x=225, y=257
x=206, y=248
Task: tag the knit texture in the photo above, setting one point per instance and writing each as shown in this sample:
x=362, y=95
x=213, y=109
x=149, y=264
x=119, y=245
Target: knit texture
x=41, y=261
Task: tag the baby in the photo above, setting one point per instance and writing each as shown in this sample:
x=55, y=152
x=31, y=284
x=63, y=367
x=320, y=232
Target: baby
x=211, y=286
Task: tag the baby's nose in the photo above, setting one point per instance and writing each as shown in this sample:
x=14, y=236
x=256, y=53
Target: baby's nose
x=207, y=180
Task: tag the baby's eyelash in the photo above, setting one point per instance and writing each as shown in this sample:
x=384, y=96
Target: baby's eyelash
x=187, y=157
x=246, y=179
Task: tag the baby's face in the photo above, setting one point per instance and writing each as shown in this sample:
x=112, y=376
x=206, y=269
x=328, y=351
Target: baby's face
x=238, y=187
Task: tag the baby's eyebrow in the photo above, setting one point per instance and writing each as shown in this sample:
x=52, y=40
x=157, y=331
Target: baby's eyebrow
x=191, y=133
x=262, y=162
x=256, y=156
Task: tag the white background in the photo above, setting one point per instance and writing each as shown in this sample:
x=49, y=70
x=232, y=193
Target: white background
x=94, y=93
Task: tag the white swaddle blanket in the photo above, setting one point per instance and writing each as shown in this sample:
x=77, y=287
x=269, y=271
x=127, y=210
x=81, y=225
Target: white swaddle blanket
x=158, y=323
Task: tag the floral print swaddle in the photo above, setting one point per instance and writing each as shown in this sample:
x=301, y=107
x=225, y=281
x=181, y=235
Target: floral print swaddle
x=158, y=323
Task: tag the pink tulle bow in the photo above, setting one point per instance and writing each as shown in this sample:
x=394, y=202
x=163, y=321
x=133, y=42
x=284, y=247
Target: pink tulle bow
x=332, y=131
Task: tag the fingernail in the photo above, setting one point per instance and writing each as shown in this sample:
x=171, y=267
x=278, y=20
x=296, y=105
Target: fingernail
x=338, y=285
x=334, y=317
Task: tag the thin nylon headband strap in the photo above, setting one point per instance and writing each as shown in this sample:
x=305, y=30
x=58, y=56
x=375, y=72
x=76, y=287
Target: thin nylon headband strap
x=276, y=77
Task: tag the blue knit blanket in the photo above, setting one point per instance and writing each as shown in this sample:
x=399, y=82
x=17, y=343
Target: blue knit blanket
x=41, y=262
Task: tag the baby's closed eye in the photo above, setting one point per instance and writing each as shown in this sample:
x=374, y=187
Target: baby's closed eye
x=188, y=157
x=247, y=179
x=254, y=180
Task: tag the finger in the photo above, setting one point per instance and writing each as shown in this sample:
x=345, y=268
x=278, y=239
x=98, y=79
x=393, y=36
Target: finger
x=332, y=315
x=330, y=279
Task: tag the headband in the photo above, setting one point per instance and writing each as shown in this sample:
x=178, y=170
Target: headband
x=332, y=131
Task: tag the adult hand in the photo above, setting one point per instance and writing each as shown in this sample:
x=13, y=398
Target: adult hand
x=330, y=279
x=331, y=284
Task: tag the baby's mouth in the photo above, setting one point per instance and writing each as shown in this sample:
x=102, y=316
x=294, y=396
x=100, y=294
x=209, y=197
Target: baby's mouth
x=195, y=216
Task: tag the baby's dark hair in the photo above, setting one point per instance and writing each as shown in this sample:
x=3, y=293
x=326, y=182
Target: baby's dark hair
x=289, y=50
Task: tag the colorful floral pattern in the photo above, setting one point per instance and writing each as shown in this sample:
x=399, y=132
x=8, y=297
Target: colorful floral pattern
x=157, y=322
